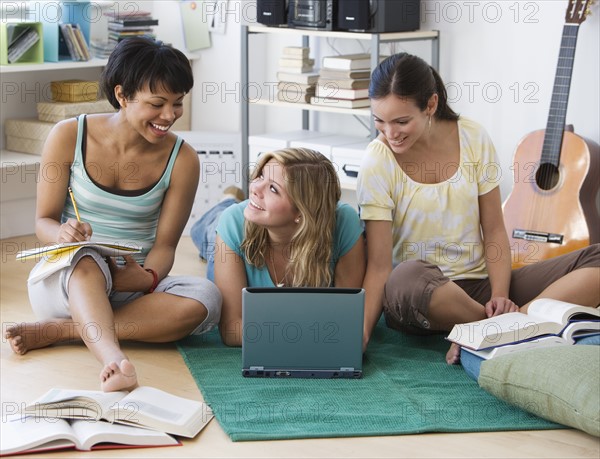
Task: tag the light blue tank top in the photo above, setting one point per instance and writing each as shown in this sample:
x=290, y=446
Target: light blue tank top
x=113, y=217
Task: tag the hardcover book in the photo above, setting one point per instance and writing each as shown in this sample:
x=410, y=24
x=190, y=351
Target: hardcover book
x=347, y=62
x=545, y=317
x=301, y=78
x=145, y=407
x=340, y=103
x=34, y=435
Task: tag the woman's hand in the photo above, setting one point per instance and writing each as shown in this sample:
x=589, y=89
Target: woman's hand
x=499, y=305
x=74, y=231
x=131, y=277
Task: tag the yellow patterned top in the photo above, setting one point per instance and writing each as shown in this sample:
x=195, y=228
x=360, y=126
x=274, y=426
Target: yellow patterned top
x=439, y=222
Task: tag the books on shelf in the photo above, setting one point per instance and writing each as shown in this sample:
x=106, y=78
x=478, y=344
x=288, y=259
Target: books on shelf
x=142, y=21
x=289, y=86
x=22, y=40
x=547, y=322
x=75, y=42
x=347, y=62
x=297, y=52
x=101, y=48
x=340, y=103
x=333, y=91
x=345, y=83
x=126, y=24
x=305, y=68
x=296, y=78
x=308, y=78
x=144, y=407
x=34, y=435
x=293, y=97
x=296, y=63
x=58, y=256
x=333, y=74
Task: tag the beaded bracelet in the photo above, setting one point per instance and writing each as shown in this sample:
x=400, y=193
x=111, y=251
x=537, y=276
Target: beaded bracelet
x=154, y=280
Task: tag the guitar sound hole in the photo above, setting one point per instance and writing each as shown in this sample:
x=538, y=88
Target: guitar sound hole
x=547, y=176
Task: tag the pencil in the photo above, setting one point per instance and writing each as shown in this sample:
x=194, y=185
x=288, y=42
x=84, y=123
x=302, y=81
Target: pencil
x=74, y=204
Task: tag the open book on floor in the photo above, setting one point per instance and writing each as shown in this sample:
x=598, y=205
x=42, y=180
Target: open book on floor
x=545, y=318
x=145, y=407
x=31, y=435
x=58, y=256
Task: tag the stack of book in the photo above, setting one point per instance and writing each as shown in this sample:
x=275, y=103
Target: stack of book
x=296, y=76
x=124, y=24
x=344, y=81
x=74, y=40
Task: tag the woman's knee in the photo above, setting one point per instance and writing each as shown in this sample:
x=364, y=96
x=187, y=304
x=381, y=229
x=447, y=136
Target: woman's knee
x=200, y=309
x=407, y=294
x=86, y=272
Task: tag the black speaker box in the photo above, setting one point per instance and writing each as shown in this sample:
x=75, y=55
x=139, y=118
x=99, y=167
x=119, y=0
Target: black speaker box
x=378, y=16
x=271, y=12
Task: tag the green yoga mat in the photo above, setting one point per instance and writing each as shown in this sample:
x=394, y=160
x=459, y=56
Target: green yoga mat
x=406, y=388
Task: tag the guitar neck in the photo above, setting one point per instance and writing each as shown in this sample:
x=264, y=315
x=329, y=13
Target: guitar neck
x=560, y=96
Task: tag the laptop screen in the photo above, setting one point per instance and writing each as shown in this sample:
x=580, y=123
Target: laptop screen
x=302, y=332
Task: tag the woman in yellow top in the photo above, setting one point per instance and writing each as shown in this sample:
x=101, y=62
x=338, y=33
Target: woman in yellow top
x=438, y=252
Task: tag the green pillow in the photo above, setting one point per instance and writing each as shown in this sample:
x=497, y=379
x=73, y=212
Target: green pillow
x=561, y=384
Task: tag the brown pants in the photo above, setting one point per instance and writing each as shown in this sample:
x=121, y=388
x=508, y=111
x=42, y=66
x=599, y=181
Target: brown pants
x=409, y=288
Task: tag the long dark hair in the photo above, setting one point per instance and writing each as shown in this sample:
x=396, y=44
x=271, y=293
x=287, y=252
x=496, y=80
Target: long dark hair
x=408, y=76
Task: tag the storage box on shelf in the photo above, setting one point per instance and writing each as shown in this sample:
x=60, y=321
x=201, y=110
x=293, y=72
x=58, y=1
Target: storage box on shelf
x=347, y=160
x=220, y=166
x=26, y=135
x=262, y=143
x=325, y=144
x=13, y=34
x=70, y=12
x=17, y=193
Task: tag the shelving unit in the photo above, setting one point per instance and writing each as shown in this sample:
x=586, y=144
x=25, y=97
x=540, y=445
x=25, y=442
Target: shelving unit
x=375, y=39
x=62, y=65
x=23, y=86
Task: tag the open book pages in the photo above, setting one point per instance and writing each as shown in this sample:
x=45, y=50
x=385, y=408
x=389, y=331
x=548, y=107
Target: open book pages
x=145, y=406
x=545, y=317
x=543, y=341
x=106, y=248
x=30, y=434
x=58, y=256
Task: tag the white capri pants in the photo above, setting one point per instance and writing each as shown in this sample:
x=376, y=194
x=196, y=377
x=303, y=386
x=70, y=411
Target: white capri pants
x=49, y=299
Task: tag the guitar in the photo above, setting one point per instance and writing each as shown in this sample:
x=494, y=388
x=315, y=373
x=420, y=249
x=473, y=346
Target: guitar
x=551, y=209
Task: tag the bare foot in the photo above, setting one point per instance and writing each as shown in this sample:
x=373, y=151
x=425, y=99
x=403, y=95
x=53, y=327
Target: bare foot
x=118, y=376
x=453, y=354
x=27, y=336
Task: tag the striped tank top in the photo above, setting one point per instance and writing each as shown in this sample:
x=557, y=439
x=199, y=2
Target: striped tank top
x=113, y=217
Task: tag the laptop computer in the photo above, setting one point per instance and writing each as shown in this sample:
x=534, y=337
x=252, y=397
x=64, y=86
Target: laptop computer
x=302, y=332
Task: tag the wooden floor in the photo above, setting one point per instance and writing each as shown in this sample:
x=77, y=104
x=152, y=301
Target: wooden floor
x=24, y=378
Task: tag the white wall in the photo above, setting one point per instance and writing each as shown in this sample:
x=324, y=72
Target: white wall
x=498, y=59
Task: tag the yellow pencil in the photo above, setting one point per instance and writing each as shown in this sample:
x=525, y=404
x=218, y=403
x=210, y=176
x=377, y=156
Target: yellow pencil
x=74, y=204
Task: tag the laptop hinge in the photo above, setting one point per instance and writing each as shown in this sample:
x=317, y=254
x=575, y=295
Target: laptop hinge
x=257, y=368
x=346, y=368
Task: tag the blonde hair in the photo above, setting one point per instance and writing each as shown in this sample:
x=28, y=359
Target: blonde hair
x=313, y=187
